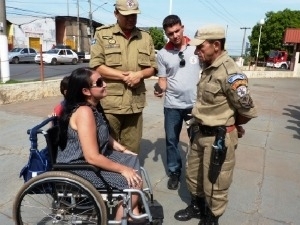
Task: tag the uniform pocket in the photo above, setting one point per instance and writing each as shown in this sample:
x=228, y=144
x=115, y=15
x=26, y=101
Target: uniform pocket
x=116, y=89
x=210, y=92
x=113, y=57
x=140, y=95
x=144, y=57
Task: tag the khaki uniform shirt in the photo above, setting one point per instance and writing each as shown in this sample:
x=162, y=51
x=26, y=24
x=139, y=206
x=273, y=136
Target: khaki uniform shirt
x=222, y=94
x=114, y=50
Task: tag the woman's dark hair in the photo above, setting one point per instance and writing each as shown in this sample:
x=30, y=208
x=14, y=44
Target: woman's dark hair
x=64, y=85
x=79, y=79
x=170, y=21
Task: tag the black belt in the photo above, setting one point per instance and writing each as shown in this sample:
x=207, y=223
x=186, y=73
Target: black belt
x=207, y=130
x=212, y=131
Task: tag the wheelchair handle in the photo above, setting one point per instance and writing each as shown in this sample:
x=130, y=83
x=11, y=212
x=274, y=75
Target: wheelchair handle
x=36, y=130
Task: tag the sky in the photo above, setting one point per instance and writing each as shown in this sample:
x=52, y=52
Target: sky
x=231, y=14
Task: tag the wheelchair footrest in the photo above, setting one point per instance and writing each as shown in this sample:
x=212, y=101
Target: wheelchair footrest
x=156, y=210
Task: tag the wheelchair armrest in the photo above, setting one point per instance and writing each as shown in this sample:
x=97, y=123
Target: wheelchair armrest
x=79, y=166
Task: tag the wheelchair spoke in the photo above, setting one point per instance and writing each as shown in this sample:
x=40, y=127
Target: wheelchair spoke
x=56, y=200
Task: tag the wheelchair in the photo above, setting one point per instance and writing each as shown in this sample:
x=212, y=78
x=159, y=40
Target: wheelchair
x=58, y=196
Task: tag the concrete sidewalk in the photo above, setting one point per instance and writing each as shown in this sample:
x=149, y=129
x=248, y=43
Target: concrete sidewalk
x=266, y=185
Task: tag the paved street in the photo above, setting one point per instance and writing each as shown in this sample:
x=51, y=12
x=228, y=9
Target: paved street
x=266, y=185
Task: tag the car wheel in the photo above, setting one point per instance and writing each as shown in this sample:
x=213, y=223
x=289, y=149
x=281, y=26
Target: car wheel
x=15, y=60
x=74, y=61
x=54, y=61
x=283, y=66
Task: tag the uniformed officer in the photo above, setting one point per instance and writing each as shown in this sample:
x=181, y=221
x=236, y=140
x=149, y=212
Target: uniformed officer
x=124, y=55
x=223, y=104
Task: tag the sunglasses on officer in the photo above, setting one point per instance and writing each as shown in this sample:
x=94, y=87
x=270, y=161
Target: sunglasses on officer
x=182, y=60
x=98, y=83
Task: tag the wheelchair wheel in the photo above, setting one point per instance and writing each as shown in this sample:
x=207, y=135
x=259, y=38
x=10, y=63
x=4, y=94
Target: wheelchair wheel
x=59, y=198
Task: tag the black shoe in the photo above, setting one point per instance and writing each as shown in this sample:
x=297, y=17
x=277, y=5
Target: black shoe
x=192, y=211
x=173, y=181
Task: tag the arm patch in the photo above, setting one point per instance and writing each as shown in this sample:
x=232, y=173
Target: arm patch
x=237, y=76
x=238, y=83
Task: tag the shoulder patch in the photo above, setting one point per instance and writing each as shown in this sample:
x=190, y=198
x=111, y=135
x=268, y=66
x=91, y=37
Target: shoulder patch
x=237, y=76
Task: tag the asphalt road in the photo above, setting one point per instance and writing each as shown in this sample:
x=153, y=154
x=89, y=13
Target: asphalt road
x=31, y=71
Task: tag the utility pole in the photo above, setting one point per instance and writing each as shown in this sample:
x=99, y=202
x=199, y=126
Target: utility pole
x=244, y=28
x=68, y=7
x=78, y=28
x=170, y=7
x=91, y=20
x=2, y=18
x=5, y=72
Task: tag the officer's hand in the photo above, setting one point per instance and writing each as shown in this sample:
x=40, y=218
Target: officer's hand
x=133, y=78
x=240, y=131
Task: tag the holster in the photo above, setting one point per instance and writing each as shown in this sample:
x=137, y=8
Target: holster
x=218, y=155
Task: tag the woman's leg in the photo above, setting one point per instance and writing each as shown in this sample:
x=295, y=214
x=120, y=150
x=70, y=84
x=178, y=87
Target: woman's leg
x=135, y=204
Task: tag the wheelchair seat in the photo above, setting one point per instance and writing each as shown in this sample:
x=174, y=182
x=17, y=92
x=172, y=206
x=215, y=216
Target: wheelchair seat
x=62, y=197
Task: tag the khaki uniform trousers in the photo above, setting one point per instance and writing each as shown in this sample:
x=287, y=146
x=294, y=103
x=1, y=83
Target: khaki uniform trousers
x=197, y=166
x=127, y=129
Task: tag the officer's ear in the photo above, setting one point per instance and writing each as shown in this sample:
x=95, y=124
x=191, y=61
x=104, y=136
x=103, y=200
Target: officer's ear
x=217, y=45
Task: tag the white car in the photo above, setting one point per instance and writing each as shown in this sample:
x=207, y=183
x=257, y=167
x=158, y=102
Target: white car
x=58, y=56
x=17, y=55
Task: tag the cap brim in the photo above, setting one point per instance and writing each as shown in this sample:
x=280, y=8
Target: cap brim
x=196, y=42
x=129, y=12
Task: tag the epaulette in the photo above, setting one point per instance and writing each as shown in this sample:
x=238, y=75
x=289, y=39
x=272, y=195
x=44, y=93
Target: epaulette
x=147, y=31
x=231, y=67
x=104, y=27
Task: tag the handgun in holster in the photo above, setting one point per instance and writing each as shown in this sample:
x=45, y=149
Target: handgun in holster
x=218, y=155
x=193, y=128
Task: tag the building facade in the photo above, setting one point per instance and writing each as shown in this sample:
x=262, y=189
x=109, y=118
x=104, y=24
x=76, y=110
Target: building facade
x=45, y=33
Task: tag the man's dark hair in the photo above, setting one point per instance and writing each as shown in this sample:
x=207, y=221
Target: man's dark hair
x=222, y=42
x=170, y=21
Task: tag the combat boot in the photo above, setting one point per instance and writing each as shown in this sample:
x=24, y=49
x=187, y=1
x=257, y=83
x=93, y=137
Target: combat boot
x=209, y=219
x=194, y=210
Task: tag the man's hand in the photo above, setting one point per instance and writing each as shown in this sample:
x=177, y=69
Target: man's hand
x=240, y=131
x=132, y=79
x=158, y=94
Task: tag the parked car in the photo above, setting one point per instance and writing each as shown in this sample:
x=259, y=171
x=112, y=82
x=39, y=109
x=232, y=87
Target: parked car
x=17, y=55
x=82, y=56
x=58, y=56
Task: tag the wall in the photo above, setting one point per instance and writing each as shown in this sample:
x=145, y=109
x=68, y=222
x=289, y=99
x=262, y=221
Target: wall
x=39, y=28
x=22, y=92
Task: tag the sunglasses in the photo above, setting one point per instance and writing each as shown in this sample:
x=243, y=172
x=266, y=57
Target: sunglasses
x=182, y=60
x=98, y=83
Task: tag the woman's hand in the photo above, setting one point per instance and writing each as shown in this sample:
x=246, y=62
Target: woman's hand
x=133, y=178
x=129, y=152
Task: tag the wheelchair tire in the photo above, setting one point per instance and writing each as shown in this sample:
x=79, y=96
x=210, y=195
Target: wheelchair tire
x=58, y=197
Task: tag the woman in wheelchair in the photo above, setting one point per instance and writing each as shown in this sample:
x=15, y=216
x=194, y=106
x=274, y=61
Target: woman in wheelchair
x=84, y=137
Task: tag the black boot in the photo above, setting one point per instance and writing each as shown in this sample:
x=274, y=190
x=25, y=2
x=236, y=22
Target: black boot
x=209, y=219
x=192, y=211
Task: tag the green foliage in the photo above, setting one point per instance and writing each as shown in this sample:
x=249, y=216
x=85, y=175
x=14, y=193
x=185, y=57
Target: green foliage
x=272, y=32
x=158, y=37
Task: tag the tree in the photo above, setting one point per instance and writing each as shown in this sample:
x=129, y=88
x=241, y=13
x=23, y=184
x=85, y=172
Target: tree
x=158, y=37
x=272, y=32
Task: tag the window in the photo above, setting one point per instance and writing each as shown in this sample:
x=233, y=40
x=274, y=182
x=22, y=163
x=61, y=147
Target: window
x=69, y=52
